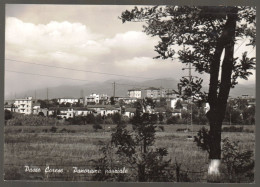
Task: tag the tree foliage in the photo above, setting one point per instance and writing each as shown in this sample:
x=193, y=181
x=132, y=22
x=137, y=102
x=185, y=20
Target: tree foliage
x=136, y=149
x=202, y=34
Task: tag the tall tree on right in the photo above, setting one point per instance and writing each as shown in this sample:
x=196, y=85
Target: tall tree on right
x=204, y=34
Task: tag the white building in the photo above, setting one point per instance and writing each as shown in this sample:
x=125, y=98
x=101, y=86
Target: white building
x=93, y=98
x=24, y=106
x=105, y=110
x=36, y=108
x=129, y=112
x=66, y=113
x=68, y=100
x=11, y=108
x=134, y=93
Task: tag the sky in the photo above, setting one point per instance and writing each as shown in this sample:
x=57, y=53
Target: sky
x=83, y=37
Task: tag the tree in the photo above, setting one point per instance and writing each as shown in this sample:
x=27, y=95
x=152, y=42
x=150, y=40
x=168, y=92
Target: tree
x=204, y=33
x=112, y=101
x=178, y=104
x=8, y=114
x=137, y=149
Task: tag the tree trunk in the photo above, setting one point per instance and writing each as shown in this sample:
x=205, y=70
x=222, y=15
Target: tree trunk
x=218, y=100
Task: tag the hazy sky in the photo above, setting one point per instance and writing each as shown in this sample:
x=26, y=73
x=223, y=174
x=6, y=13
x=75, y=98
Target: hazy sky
x=85, y=37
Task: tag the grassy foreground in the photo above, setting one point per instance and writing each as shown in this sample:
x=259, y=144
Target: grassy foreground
x=74, y=146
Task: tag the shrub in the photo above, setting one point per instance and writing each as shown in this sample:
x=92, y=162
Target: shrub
x=53, y=129
x=239, y=164
x=8, y=115
x=31, y=120
x=172, y=120
x=232, y=129
x=97, y=126
x=108, y=121
x=183, y=130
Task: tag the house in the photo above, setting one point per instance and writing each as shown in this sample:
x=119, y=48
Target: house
x=24, y=106
x=11, y=108
x=62, y=112
x=36, y=107
x=129, y=112
x=66, y=112
x=105, y=110
x=134, y=93
x=67, y=100
x=82, y=111
x=126, y=100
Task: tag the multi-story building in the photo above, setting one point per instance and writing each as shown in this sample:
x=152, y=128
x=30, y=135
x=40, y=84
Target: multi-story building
x=93, y=98
x=153, y=92
x=134, y=93
x=24, y=106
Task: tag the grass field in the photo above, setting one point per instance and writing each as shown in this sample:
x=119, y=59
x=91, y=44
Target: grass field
x=74, y=146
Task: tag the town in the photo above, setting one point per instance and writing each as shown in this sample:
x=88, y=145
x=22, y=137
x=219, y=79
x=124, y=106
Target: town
x=168, y=104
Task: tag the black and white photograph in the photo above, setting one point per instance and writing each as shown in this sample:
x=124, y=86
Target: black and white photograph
x=129, y=93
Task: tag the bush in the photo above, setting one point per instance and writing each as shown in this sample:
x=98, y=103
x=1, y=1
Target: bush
x=31, y=120
x=53, y=129
x=232, y=129
x=183, y=129
x=239, y=164
x=173, y=120
x=97, y=126
x=90, y=119
x=8, y=115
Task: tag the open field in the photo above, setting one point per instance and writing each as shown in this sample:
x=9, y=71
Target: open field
x=74, y=146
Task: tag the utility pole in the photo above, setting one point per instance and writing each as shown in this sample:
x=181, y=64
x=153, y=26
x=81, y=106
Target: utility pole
x=190, y=78
x=114, y=93
x=81, y=93
x=47, y=94
x=35, y=95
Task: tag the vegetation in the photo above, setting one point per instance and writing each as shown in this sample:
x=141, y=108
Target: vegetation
x=203, y=33
x=79, y=144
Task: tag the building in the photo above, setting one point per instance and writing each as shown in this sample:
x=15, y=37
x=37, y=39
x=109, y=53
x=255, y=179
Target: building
x=153, y=92
x=126, y=100
x=129, y=112
x=92, y=99
x=67, y=100
x=66, y=112
x=24, y=106
x=104, y=99
x=36, y=108
x=82, y=111
x=134, y=93
x=105, y=110
x=11, y=108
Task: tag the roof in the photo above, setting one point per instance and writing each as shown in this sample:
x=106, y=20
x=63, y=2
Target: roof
x=135, y=89
x=152, y=88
